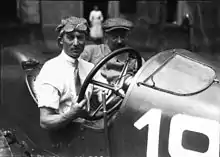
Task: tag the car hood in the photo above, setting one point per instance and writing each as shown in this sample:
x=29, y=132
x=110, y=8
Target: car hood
x=204, y=103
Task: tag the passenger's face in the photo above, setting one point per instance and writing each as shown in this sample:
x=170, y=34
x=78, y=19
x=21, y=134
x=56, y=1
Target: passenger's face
x=116, y=39
x=73, y=43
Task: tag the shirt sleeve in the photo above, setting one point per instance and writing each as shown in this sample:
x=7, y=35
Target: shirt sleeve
x=48, y=88
x=86, y=54
x=48, y=96
x=101, y=16
x=91, y=16
x=92, y=54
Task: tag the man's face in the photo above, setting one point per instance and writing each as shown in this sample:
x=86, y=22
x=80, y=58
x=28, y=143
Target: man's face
x=73, y=43
x=115, y=39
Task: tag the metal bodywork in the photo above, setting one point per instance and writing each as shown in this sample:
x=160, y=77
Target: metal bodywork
x=140, y=99
x=19, y=113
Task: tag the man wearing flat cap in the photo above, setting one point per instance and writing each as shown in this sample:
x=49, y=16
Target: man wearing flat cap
x=116, y=31
x=59, y=81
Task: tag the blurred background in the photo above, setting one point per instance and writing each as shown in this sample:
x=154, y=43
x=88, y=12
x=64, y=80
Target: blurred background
x=159, y=25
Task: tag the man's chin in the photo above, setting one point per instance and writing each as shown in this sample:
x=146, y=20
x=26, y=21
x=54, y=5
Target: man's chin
x=75, y=54
x=117, y=47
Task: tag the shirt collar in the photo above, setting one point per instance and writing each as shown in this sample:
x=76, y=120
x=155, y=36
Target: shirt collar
x=68, y=58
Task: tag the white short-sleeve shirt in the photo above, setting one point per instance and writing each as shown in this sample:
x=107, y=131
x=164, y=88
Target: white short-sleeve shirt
x=55, y=87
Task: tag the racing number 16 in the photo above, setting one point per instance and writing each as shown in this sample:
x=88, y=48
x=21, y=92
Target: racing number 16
x=179, y=123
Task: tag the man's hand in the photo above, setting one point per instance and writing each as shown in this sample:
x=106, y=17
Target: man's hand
x=115, y=65
x=76, y=110
x=78, y=107
x=110, y=75
x=49, y=119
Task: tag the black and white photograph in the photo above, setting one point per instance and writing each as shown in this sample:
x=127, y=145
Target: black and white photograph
x=100, y=78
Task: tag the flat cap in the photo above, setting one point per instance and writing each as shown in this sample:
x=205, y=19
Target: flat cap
x=117, y=23
x=72, y=23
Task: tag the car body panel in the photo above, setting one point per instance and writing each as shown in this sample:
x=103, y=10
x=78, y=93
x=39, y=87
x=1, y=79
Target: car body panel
x=140, y=99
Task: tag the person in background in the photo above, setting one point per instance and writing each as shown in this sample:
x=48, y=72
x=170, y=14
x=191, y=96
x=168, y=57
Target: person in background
x=116, y=31
x=96, y=19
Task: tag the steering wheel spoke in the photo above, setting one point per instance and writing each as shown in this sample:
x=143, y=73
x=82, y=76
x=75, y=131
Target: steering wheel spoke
x=121, y=78
x=103, y=85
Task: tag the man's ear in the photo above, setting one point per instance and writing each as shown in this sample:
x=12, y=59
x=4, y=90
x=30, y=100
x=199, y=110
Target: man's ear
x=61, y=41
x=106, y=37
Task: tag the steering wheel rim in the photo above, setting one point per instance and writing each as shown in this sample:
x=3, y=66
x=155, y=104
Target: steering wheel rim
x=102, y=62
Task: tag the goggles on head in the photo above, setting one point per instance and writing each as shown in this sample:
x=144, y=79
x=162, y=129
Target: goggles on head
x=72, y=24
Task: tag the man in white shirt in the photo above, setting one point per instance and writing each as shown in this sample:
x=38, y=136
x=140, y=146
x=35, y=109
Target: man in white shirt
x=58, y=82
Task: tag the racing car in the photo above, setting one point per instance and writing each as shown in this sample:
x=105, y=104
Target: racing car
x=170, y=108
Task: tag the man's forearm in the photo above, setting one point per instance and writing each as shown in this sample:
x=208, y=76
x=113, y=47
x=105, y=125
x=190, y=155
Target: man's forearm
x=55, y=121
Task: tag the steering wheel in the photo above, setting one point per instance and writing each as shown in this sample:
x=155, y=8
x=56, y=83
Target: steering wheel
x=116, y=89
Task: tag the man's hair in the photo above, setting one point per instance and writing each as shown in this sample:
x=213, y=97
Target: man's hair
x=69, y=24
